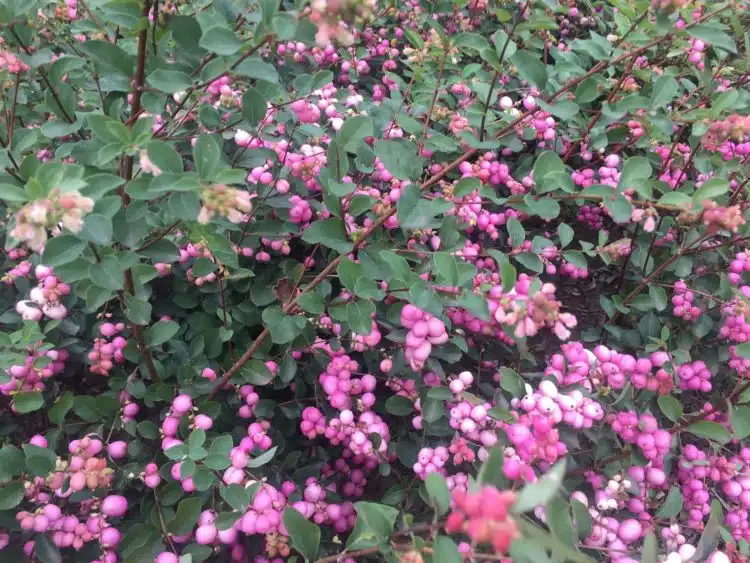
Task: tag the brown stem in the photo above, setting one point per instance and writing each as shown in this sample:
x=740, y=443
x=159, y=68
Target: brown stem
x=158, y=237
x=126, y=172
x=163, y=523
x=12, y=118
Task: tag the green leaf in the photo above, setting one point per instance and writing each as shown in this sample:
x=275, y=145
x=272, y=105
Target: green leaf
x=236, y=496
x=400, y=158
x=62, y=405
x=45, y=550
x=13, y=194
x=161, y=332
x=11, y=495
x=438, y=493
x=97, y=228
x=566, y=234
x=710, y=190
x=587, y=91
x=374, y=525
x=582, y=519
x=740, y=419
x=254, y=106
x=312, y=303
x=258, y=69
x=671, y=407
x=546, y=167
x=634, y=172
x=677, y=199
x=536, y=536
x=710, y=537
x=349, y=273
x=562, y=109
x=742, y=350
x=359, y=316
x=110, y=57
x=545, y=207
x=672, y=504
x=516, y=232
x=650, y=554
x=664, y=90
x=62, y=249
x=107, y=274
x=12, y=462
x=558, y=519
x=710, y=431
x=262, y=459
x=530, y=68
x=283, y=328
x=353, y=132
x=713, y=35
x=28, y=401
x=338, y=162
x=446, y=267
x=184, y=205
x=530, y=261
x=221, y=445
x=207, y=157
x=220, y=40
x=619, y=208
x=491, y=472
x=305, y=535
x=39, y=461
x=399, y=406
x=476, y=305
x=330, y=233
x=415, y=212
x=658, y=297
x=445, y=550
x=169, y=81
x=539, y=493
x=164, y=157
x=511, y=381
x=188, y=512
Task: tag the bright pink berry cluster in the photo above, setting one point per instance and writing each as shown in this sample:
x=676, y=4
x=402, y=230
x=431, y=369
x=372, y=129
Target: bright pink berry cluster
x=684, y=302
x=695, y=376
x=339, y=385
x=485, y=517
x=642, y=430
x=108, y=350
x=425, y=330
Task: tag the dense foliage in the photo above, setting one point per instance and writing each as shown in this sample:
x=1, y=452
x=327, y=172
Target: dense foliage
x=427, y=281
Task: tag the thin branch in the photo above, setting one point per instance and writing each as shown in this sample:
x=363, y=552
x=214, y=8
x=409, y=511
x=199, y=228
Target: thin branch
x=126, y=172
x=428, y=117
x=12, y=118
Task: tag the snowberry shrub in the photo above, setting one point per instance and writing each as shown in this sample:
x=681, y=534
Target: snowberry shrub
x=347, y=281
